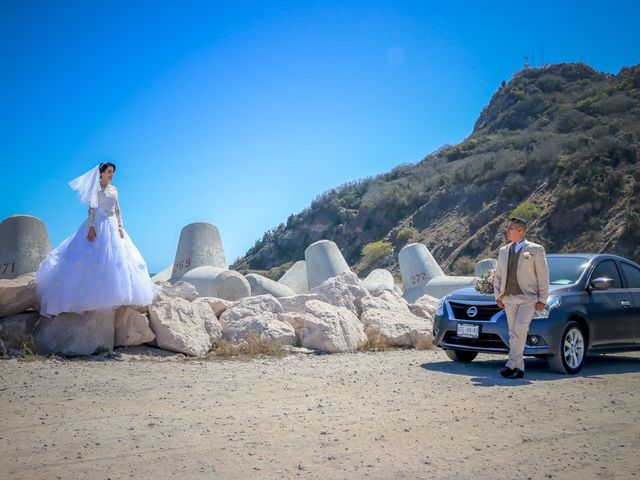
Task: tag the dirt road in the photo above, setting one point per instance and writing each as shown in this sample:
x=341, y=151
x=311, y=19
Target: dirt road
x=399, y=414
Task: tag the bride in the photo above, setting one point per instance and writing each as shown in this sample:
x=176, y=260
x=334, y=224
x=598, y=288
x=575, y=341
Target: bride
x=98, y=267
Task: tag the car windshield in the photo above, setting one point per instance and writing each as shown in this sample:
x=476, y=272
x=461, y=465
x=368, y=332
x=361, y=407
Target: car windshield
x=566, y=270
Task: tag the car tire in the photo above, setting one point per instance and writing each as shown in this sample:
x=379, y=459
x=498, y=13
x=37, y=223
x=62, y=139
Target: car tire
x=461, y=355
x=571, y=351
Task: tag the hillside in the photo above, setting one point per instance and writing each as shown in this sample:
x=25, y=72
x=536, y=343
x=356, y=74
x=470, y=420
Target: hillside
x=561, y=144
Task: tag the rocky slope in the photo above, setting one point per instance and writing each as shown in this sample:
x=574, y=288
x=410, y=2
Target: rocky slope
x=560, y=145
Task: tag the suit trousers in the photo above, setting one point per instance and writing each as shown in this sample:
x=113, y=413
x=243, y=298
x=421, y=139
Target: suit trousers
x=519, y=310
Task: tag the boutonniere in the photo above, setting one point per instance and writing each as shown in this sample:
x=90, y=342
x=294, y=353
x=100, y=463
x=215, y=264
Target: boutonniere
x=527, y=255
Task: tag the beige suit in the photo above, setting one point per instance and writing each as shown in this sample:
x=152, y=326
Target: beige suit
x=533, y=279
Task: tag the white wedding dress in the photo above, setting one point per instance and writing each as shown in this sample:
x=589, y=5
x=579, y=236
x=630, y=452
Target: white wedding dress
x=80, y=275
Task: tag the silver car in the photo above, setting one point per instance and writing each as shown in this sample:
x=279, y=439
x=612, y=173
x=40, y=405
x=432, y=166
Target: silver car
x=593, y=307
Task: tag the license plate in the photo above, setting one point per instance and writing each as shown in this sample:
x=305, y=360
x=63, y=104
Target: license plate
x=468, y=331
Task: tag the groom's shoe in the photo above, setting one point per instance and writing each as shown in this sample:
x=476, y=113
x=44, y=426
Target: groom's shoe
x=517, y=373
x=505, y=372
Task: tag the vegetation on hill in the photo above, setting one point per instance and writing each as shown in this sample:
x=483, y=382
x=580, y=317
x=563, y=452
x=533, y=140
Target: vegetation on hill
x=559, y=145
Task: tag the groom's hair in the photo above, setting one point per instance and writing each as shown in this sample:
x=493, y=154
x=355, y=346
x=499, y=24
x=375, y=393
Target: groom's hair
x=518, y=221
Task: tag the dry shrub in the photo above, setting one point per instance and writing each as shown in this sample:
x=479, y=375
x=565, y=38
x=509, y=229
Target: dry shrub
x=376, y=342
x=27, y=346
x=26, y=352
x=253, y=346
x=34, y=357
x=424, y=343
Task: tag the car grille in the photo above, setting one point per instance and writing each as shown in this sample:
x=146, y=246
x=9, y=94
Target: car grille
x=485, y=312
x=486, y=340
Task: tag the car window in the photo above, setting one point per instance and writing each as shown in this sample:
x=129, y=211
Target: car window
x=566, y=270
x=607, y=269
x=632, y=274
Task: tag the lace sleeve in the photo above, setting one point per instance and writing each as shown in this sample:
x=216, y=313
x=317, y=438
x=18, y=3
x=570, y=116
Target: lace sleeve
x=118, y=212
x=91, y=216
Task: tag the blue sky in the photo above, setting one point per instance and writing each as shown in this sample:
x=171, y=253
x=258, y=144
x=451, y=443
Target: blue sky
x=240, y=113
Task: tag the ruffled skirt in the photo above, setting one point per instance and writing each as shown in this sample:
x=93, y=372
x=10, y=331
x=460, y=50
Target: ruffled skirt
x=80, y=275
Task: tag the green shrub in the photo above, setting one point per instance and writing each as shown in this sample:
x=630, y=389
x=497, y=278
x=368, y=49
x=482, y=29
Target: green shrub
x=572, y=196
x=573, y=120
x=590, y=105
x=514, y=186
x=374, y=251
x=564, y=161
x=406, y=235
x=464, y=266
x=527, y=211
x=551, y=83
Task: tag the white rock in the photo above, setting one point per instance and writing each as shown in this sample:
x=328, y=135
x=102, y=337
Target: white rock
x=345, y=290
x=131, y=328
x=179, y=327
x=218, y=305
x=425, y=307
x=250, y=306
x=259, y=316
x=266, y=325
x=180, y=290
x=378, y=280
x=297, y=303
x=331, y=329
x=296, y=320
x=17, y=295
x=211, y=323
x=75, y=334
x=390, y=315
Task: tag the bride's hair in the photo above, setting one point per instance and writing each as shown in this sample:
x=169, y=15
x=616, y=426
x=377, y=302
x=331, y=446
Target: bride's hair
x=105, y=165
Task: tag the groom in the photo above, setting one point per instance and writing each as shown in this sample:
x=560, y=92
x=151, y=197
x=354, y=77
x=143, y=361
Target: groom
x=521, y=286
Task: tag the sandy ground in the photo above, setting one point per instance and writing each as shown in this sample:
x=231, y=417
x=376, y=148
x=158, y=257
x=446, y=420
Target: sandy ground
x=399, y=414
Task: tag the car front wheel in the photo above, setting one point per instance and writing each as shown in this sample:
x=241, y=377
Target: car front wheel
x=572, y=352
x=461, y=355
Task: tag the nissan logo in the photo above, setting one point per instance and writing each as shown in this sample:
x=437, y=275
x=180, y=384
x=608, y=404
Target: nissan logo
x=472, y=311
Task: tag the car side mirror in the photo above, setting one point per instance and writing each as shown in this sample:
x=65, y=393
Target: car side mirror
x=601, y=283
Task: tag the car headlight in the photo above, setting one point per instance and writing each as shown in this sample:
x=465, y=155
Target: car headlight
x=440, y=309
x=554, y=301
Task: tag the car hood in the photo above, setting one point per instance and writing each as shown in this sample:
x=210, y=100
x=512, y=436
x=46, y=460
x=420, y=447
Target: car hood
x=472, y=294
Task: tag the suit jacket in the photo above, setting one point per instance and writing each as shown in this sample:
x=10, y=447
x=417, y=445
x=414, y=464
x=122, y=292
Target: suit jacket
x=533, y=272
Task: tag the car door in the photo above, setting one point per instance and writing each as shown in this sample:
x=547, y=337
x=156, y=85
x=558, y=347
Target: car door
x=631, y=275
x=610, y=320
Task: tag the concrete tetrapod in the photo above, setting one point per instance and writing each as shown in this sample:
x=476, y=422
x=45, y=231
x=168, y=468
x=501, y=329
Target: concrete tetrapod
x=261, y=285
x=483, y=266
x=199, y=245
x=218, y=282
x=296, y=277
x=24, y=242
x=417, y=267
x=323, y=261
